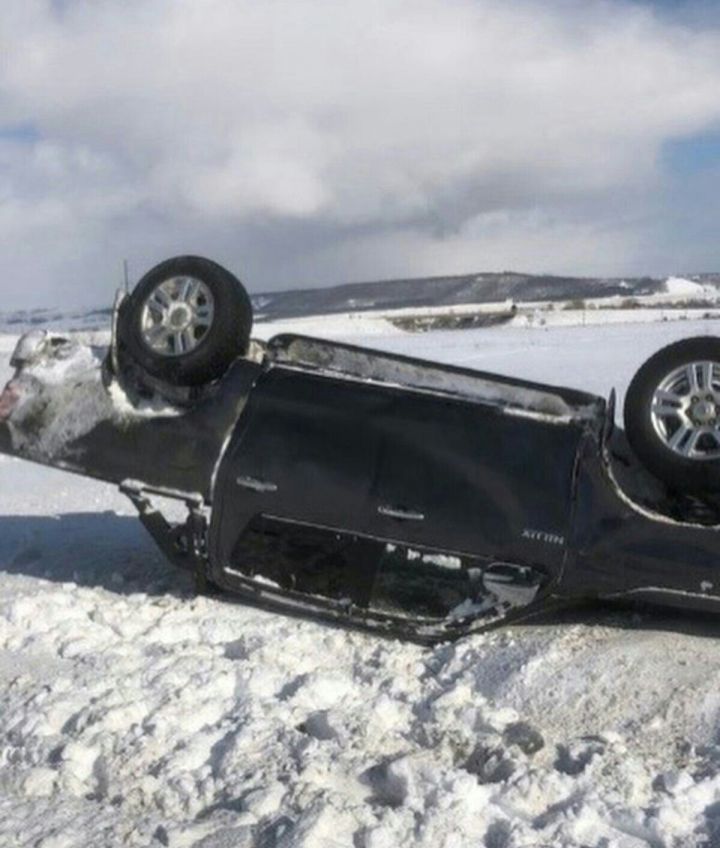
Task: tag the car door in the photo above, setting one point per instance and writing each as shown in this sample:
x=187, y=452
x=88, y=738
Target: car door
x=467, y=476
x=302, y=451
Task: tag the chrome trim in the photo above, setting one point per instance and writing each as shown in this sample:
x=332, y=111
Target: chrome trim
x=255, y=485
x=400, y=513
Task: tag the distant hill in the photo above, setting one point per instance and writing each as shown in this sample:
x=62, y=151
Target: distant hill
x=388, y=294
x=451, y=291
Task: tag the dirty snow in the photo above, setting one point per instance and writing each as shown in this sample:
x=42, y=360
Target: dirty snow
x=69, y=396
x=61, y=384
x=135, y=714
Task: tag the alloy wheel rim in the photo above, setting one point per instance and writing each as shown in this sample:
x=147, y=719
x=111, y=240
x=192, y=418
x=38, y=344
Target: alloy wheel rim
x=177, y=316
x=685, y=410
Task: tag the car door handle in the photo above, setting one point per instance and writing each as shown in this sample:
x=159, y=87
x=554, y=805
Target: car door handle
x=401, y=513
x=256, y=485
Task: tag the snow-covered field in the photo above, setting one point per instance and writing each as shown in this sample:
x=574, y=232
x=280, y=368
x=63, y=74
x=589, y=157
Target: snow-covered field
x=135, y=714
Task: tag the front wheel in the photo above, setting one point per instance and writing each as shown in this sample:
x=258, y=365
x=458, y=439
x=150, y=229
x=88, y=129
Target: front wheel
x=672, y=414
x=186, y=320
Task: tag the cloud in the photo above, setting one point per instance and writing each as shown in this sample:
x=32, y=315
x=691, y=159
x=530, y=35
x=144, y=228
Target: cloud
x=309, y=142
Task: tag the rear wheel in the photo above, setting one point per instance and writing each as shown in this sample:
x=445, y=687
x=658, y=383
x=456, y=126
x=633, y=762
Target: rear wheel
x=186, y=321
x=672, y=414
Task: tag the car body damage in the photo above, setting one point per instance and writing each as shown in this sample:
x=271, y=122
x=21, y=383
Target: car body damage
x=56, y=396
x=419, y=500
x=64, y=407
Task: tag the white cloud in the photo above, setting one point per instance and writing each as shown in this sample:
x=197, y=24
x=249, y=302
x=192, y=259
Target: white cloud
x=314, y=141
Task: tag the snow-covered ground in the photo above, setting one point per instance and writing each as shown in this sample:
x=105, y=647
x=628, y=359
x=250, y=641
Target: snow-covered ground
x=135, y=714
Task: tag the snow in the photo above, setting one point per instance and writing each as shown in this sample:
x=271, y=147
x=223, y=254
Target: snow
x=59, y=395
x=69, y=396
x=134, y=713
x=683, y=288
x=352, y=364
x=343, y=325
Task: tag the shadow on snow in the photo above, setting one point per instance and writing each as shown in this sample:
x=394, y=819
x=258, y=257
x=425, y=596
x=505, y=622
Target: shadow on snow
x=113, y=552
x=102, y=550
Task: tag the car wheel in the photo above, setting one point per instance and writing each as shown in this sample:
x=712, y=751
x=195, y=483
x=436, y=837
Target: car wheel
x=186, y=321
x=672, y=414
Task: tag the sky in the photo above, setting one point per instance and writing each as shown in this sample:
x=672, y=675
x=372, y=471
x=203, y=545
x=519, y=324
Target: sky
x=307, y=142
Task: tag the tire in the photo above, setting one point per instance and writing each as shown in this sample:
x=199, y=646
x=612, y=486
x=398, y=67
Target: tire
x=186, y=321
x=672, y=418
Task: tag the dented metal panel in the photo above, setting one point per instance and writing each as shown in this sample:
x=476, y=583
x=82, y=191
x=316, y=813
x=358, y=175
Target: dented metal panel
x=64, y=408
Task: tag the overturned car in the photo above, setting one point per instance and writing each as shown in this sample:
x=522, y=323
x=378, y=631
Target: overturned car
x=419, y=500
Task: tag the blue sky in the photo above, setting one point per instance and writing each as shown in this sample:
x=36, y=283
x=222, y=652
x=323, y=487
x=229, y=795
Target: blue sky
x=306, y=143
x=697, y=154
x=20, y=133
x=697, y=12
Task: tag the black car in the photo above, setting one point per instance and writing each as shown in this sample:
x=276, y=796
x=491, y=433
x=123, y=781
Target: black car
x=378, y=490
